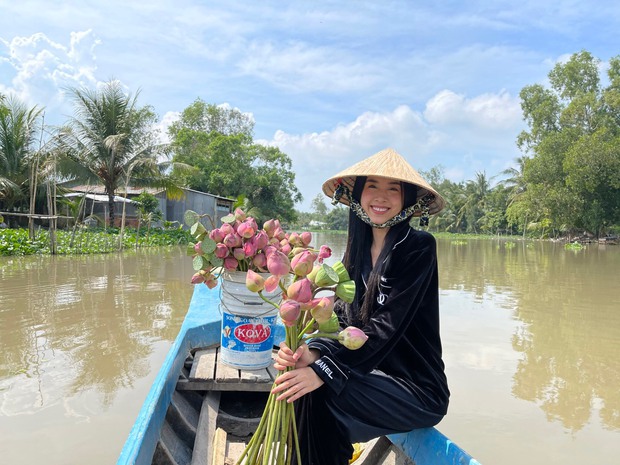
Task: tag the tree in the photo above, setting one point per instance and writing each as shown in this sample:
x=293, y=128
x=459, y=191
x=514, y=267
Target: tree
x=19, y=128
x=217, y=141
x=108, y=134
x=573, y=175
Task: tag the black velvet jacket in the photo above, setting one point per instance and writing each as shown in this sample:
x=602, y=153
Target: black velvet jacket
x=403, y=332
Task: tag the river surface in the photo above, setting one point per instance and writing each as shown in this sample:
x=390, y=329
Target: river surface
x=531, y=336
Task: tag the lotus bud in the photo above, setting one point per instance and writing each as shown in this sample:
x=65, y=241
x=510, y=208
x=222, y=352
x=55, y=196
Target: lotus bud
x=239, y=214
x=269, y=227
x=352, y=338
x=286, y=248
x=198, y=278
x=324, y=252
x=211, y=281
x=198, y=248
x=326, y=276
x=254, y=282
x=279, y=233
x=312, y=275
x=278, y=263
x=343, y=274
x=231, y=240
x=303, y=263
x=271, y=283
x=260, y=261
x=246, y=230
x=306, y=238
x=221, y=251
x=330, y=326
x=226, y=229
x=295, y=240
x=239, y=253
x=296, y=251
x=249, y=248
x=269, y=250
x=289, y=312
x=261, y=240
x=231, y=263
x=217, y=235
x=300, y=290
x=324, y=309
x=346, y=291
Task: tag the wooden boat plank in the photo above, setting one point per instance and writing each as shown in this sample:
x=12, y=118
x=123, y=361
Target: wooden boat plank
x=203, y=366
x=202, y=454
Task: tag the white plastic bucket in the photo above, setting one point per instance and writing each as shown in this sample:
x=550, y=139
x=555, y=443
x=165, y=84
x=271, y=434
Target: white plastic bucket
x=248, y=324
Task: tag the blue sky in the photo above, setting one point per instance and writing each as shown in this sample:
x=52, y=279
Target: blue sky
x=328, y=82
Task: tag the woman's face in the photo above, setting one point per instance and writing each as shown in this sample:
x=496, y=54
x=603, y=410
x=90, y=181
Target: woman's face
x=382, y=198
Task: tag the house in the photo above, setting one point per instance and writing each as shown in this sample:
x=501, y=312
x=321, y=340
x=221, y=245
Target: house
x=96, y=204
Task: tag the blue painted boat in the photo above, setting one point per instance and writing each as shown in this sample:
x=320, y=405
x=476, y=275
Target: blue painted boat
x=169, y=428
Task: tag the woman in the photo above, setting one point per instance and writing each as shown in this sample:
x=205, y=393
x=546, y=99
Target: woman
x=395, y=382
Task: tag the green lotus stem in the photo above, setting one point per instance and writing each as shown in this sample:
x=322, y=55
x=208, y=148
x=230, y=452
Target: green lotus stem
x=281, y=286
x=307, y=327
x=324, y=288
x=254, y=443
x=260, y=293
x=313, y=335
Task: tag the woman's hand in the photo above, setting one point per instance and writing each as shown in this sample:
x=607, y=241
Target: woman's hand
x=302, y=357
x=296, y=383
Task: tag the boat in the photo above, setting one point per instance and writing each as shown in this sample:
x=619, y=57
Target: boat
x=199, y=412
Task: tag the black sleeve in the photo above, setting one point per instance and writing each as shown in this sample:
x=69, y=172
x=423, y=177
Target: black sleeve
x=412, y=273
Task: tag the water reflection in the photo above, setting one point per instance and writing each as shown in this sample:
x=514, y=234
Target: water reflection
x=527, y=327
x=94, y=316
x=567, y=302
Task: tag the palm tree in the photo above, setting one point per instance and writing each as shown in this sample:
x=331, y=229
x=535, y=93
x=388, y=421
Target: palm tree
x=18, y=133
x=108, y=135
x=516, y=180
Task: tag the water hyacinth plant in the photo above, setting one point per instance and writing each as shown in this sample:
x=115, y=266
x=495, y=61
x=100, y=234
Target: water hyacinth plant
x=274, y=259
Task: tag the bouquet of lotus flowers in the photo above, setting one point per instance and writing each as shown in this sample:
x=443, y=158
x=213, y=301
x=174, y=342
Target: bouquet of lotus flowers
x=239, y=245
x=307, y=311
x=274, y=259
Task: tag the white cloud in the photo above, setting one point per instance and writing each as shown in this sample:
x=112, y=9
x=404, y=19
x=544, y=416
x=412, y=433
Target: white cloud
x=461, y=134
x=492, y=111
x=38, y=68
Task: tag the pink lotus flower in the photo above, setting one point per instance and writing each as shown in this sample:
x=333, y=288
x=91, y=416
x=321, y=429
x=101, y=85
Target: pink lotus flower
x=285, y=247
x=303, y=263
x=221, y=251
x=352, y=338
x=324, y=252
x=289, y=312
x=198, y=278
x=278, y=263
x=306, y=238
x=279, y=233
x=246, y=229
x=232, y=240
x=300, y=290
x=217, y=235
x=261, y=240
x=226, y=229
x=323, y=309
x=211, y=282
x=240, y=215
x=295, y=240
x=260, y=261
x=198, y=248
x=231, y=263
x=249, y=248
x=272, y=283
x=239, y=253
x=254, y=282
x=269, y=227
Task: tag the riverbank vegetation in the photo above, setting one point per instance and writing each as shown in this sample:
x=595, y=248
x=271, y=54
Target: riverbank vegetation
x=566, y=184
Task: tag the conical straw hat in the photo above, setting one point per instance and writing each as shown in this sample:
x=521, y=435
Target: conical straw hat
x=389, y=164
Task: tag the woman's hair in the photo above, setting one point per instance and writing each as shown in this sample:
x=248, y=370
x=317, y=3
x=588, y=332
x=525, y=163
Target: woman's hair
x=358, y=246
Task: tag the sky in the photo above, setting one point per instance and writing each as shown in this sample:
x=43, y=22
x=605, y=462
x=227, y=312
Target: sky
x=327, y=82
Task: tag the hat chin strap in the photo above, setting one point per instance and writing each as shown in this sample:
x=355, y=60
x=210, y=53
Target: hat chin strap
x=420, y=206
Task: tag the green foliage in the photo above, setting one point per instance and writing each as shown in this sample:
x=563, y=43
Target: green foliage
x=87, y=241
x=572, y=179
x=217, y=142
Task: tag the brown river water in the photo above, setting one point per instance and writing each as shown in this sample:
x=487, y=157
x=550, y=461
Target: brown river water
x=531, y=336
